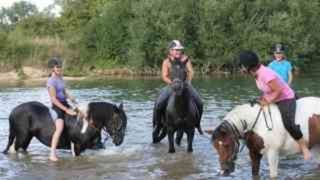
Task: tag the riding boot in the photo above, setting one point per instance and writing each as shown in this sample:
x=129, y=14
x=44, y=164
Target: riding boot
x=159, y=109
x=304, y=148
x=197, y=100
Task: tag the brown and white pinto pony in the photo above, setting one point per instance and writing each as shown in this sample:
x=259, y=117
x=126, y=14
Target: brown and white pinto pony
x=264, y=134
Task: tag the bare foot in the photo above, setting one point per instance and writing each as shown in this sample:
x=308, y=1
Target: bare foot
x=306, y=154
x=53, y=158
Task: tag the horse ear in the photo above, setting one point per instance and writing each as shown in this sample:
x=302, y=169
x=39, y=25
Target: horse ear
x=121, y=106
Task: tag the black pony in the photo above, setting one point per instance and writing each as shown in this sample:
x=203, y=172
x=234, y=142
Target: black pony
x=181, y=114
x=32, y=119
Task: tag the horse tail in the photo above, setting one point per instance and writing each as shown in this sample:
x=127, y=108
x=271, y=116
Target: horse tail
x=12, y=135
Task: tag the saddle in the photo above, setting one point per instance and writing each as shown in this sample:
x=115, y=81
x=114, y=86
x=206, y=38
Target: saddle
x=314, y=130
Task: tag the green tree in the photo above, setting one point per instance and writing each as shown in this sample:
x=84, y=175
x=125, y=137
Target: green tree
x=19, y=11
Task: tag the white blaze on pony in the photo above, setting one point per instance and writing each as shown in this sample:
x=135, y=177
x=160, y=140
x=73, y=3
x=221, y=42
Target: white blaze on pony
x=83, y=109
x=276, y=140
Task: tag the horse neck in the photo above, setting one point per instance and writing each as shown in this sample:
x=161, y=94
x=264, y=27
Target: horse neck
x=182, y=99
x=243, y=118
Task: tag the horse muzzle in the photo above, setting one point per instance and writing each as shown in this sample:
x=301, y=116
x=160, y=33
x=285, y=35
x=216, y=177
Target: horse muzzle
x=117, y=140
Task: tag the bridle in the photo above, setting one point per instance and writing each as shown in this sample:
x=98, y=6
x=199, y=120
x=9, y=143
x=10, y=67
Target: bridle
x=235, y=137
x=237, y=133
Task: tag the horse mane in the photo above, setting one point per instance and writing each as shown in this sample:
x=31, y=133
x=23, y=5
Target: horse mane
x=100, y=111
x=178, y=70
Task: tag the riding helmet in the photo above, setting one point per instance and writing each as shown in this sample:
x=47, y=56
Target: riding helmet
x=248, y=60
x=175, y=44
x=278, y=48
x=55, y=61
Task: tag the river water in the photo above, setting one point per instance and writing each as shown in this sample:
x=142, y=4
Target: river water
x=137, y=157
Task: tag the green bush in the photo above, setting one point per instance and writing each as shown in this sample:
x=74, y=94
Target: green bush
x=135, y=34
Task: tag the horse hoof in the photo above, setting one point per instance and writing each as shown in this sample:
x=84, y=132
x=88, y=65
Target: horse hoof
x=190, y=150
x=5, y=152
x=155, y=140
x=171, y=151
x=256, y=177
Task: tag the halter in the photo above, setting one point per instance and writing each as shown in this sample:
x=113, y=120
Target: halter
x=237, y=136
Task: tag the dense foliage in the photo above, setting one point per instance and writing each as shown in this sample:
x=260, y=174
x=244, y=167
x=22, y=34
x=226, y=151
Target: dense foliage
x=104, y=34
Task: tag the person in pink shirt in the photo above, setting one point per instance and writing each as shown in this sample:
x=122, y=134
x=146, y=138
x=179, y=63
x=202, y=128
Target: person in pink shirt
x=275, y=90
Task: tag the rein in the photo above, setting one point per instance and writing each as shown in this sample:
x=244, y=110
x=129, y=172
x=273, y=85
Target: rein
x=236, y=132
x=256, y=120
x=269, y=127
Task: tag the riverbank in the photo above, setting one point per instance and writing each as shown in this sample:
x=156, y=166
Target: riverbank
x=30, y=75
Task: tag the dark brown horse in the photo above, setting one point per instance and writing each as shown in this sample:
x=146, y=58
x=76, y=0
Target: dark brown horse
x=181, y=115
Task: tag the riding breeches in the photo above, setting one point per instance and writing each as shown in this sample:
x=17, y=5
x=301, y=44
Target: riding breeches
x=287, y=109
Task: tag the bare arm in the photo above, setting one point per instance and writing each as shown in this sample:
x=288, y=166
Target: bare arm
x=290, y=77
x=165, y=72
x=190, y=71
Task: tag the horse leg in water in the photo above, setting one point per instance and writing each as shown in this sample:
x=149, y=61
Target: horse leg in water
x=255, y=145
x=77, y=149
x=159, y=128
x=163, y=133
x=22, y=141
x=190, y=135
x=27, y=142
x=155, y=133
x=171, y=140
x=12, y=136
x=273, y=160
x=97, y=143
x=179, y=137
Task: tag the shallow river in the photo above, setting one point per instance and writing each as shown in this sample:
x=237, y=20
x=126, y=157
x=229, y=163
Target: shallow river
x=137, y=157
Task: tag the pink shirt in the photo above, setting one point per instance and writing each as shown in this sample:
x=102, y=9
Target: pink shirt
x=264, y=76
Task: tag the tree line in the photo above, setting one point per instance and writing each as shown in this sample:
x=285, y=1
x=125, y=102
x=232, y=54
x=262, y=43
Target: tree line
x=106, y=34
